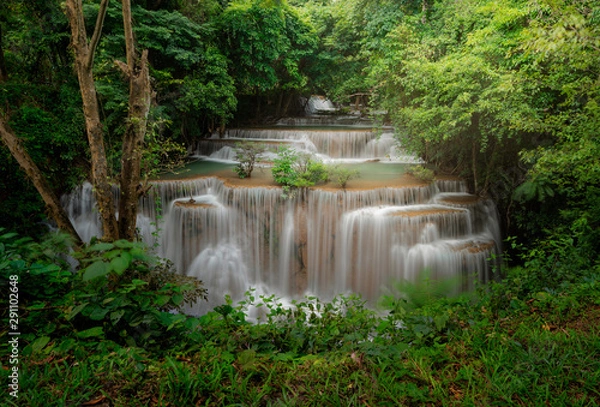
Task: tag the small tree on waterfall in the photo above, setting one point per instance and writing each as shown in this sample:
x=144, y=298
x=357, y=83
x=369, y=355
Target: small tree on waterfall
x=247, y=154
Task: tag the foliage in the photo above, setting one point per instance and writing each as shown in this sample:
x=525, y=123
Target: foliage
x=512, y=340
x=128, y=297
x=341, y=175
x=120, y=293
x=559, y=198
x=351, y=35
x=161, y=154
x=292, y=169
x=425, y=308
x=268, y=45
x=247, y=154
x=194, y=90
x=266, y=42
x=422, y=173
x=452, y=90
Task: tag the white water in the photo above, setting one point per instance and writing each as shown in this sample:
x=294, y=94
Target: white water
x=319, y=242
x=334, y=144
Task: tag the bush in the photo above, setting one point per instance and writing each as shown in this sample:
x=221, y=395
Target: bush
x=297, y=170
x=120, y=294
x=421, y=173
x=247, y=154
x=341, y=175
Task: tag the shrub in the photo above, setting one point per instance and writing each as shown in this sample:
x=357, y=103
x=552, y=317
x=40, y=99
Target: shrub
x=421, y=173
x=120, y=294
x=247, y=154
x=297, y=170
x=341, y=175
x=129, y=296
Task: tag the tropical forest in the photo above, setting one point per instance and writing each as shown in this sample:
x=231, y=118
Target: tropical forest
x=299, y=203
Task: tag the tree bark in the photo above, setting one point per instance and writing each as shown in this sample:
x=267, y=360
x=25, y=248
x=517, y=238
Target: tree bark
x=139, y=107
x=474, y=166
x=84, y=58
x=55, y=209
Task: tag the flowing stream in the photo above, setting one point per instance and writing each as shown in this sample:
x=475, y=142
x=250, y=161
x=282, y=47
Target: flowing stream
x=321, y=241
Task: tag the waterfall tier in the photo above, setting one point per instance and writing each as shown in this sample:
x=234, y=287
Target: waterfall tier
x=322, y=242
x=356, y=143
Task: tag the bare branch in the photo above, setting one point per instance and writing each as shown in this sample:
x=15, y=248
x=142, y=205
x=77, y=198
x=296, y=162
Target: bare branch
x=123, y=67
x=97, y=32
x=129, y=43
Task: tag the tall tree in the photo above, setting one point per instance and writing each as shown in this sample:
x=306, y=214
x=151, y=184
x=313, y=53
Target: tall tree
x=136, y=70
x=139, y=106
x=84, y=63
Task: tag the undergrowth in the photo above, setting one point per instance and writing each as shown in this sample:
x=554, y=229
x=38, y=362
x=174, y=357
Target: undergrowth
x=109, y=333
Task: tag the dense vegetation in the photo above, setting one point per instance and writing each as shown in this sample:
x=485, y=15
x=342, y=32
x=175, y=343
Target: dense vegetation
x=503, y=93
x=107, y=335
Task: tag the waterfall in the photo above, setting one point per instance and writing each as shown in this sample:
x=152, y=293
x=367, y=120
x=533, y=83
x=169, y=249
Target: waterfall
x=330, y=143
x=320, y=241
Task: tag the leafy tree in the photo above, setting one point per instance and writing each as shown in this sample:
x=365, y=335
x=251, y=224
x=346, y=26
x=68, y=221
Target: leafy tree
x=194, y=92
x=560, y=195
x=267, y=43
x=40, y=102
x=452, y=90
x=352, y=33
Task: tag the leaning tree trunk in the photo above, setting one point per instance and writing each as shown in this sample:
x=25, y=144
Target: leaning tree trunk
x=84, y=62
x=55, y=209
x=139, y=107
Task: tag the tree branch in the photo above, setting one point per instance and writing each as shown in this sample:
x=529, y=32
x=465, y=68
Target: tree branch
x=34, y=174
x=97, y=32
x=129, y=43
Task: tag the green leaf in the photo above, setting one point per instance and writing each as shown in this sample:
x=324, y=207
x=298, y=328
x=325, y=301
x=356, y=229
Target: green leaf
x=89, y=333
x=177, y=299
x=124, y=244
x=139, y=254
x=98, y=313
x=95, y=270
x=162, y=300
x=116, y=316
x=7, y=236
x=39, y=343
x=101, y=247
x=73, y=313
x=121, y=263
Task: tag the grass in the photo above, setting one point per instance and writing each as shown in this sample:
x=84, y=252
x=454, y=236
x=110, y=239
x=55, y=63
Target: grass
x=509, y=345
x=532, y=359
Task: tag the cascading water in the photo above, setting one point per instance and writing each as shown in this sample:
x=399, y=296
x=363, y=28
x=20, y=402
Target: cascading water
x=320, y=241
x=339, y=142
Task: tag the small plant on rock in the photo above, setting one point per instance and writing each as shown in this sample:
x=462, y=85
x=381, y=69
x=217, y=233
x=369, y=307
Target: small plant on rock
x=292, y=169
x=421, y=173
x=247, y=155
x=341, y=175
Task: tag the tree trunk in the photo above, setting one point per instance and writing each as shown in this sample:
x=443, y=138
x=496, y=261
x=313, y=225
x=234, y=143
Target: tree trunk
x=286, y=106
x=52, y=202
x=139, y=107
x=474, y=166
x=84, y=61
